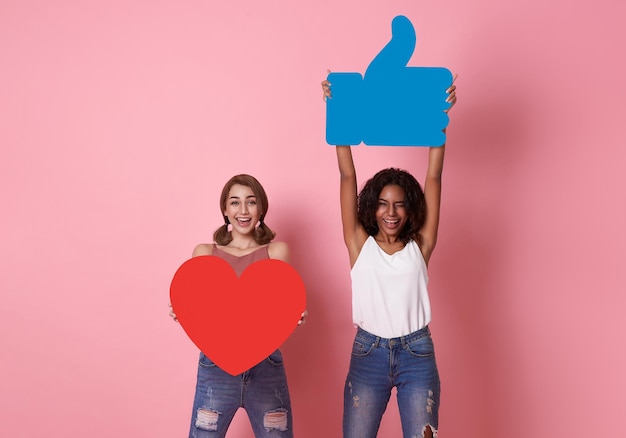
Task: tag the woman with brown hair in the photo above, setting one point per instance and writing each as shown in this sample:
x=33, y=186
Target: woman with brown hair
x=262, y=390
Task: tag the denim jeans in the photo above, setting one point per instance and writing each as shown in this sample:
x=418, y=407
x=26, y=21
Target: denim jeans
x=262, y=391
x=379, y=364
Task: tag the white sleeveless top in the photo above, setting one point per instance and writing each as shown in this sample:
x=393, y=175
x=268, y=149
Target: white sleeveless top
x=389, y=293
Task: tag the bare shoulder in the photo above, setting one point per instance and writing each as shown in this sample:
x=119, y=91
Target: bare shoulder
x=279, y=251
x=203, y=249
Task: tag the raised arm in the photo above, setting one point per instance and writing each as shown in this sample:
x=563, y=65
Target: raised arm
x=432, y=189
x=354, y=234
x=432, y=193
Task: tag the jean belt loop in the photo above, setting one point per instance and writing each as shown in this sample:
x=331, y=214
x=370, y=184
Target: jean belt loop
x=377, y=342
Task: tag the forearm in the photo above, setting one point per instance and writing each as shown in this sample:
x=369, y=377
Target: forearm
x=345, y=162
x=432, y=194
x=347, y=195
x=432, y=185
x=435, y=163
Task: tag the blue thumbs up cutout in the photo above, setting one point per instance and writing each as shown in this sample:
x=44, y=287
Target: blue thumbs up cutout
x=393, y=105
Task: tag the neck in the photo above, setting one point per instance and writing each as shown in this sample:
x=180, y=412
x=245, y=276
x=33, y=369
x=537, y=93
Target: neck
x=242, y=241
x=386, y=238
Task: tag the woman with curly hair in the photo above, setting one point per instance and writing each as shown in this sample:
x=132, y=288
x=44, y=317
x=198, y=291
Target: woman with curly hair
x=390, y=230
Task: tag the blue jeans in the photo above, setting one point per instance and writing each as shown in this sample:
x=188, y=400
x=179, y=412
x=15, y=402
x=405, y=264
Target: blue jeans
x=379, y=364
x=262, y=391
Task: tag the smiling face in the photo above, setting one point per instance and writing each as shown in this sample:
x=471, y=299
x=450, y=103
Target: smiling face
x=391, y=215
x=241, y=209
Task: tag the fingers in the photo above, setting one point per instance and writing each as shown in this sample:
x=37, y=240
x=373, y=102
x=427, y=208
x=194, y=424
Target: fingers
x=172, y=314
x=451, y=99
x=326, y=88
x=303, y=317
x=452, y=88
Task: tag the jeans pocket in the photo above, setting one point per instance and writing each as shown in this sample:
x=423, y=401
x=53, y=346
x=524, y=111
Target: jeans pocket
x=422, y=347
x=361, y=349
x=276, y=358
x=205, y=361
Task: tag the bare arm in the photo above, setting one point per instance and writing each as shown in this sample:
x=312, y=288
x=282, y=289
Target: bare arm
x=432, y=189
x=432, y=193
x=354, y=234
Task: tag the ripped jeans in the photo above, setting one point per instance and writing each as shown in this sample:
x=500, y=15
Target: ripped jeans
x=377, y=365
x=262, y=391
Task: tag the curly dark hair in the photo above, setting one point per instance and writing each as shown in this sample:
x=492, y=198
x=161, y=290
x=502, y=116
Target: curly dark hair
x=414, y=202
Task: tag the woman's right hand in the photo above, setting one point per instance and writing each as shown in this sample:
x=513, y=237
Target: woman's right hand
x=326, y=87
x=172, y=314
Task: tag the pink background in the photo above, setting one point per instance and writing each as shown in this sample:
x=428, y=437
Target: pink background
x=120, y=121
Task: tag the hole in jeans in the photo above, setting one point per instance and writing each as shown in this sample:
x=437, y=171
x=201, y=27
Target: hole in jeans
x=275, y=420
x=206, y=419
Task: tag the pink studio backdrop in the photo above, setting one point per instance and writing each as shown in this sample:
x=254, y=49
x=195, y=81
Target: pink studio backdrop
x=120, y=121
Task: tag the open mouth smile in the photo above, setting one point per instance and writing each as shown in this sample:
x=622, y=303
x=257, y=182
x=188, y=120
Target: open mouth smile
x=391, y=222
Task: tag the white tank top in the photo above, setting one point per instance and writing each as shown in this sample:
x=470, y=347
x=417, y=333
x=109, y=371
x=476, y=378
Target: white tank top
x=389, y=293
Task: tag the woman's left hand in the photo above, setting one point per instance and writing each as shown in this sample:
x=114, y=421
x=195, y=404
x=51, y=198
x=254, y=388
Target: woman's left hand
x=303, y=317
x=452, y=93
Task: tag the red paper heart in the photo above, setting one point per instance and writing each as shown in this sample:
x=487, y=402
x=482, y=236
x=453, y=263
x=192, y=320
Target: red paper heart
x=237, y=322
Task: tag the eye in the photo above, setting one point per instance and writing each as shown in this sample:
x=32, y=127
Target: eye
x=234, y=203
x=251, y=202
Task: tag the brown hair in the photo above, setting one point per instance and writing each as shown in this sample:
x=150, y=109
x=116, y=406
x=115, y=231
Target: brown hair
x=262, y=234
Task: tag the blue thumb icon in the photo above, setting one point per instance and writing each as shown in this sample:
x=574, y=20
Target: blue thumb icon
x=393, y=105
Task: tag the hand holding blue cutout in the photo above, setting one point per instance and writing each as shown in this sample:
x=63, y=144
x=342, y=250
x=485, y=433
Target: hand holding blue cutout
x=393, y=105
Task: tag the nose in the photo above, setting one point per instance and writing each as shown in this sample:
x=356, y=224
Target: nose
x=391, y=210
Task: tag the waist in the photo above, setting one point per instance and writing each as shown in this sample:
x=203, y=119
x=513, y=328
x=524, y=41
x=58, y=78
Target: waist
x=370, y=339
